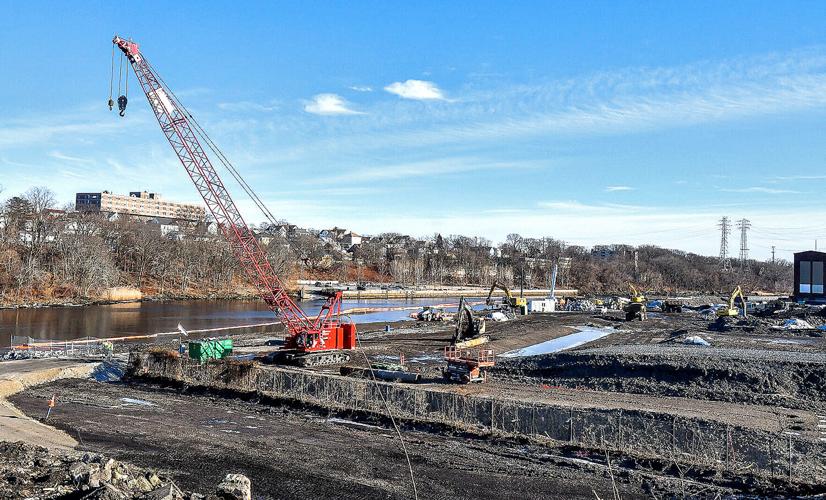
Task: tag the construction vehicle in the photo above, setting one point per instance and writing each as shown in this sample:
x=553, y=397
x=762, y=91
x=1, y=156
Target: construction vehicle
x=733, y=309
x=324, y=339
x=467, y=365
x=518, y=305
x=468, y=326
x=431, y=313
x=672, y=306
x=636, y=307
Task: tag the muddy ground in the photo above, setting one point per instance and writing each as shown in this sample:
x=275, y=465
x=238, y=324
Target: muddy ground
x=293, y=454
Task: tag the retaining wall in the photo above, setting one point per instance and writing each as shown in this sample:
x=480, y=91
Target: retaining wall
x=644, y=434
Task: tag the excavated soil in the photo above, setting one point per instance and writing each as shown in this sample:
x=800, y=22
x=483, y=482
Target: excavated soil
x=291, y=454
x=785, y=378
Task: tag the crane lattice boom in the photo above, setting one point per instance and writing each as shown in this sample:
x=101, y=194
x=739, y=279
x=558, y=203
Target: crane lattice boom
x=311, y=334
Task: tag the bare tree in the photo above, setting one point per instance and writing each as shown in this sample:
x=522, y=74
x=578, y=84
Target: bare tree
x=41, y=200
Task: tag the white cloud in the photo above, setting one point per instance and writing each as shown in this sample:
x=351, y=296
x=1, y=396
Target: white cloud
x=429, y=168
x=361, y=88
x=57, y=155
x=22, y=135
x=629, y=101
x=759, y=189
x=419, y=90
x=800, y=177
x=578, y=207
x=329, y=104
x=245, y=106
x=612, y=189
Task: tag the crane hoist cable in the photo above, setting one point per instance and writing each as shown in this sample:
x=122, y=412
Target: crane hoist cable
x=120, y=74
x=111, y=103
x=122, y=97
x=217, y=151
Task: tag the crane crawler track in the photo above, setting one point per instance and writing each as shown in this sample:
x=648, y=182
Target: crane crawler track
x=308, y=359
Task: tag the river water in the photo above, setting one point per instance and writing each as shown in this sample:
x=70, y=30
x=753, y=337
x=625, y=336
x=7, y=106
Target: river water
x=141, y=318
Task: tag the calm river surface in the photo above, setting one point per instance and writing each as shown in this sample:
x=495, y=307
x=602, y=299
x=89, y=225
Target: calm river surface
x=140, y=318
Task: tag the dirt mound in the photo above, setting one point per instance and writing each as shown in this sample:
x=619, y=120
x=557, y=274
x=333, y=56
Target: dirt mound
x=791, y=379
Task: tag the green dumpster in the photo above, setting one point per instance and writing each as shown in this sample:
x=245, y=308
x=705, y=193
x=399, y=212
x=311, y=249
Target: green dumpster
x=210, y=349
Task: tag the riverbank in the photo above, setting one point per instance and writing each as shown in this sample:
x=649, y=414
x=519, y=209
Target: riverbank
x=435, y=293
x=309, y=292
x=92, y=301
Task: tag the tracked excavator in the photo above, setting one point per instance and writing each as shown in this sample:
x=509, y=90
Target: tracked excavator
x=323, y=339
x=732, y=309
x=466, y=362
x=517, y=305
x=468, y=326
x=636, y=307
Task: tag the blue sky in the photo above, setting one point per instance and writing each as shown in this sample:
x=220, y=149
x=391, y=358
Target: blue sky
x=592, y=122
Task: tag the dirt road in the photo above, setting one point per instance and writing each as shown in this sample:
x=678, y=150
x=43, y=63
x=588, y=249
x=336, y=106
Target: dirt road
x=15, y=376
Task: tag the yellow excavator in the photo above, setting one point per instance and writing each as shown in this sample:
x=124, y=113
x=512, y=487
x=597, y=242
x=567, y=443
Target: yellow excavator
x=518, y=304
x=733, y=309
x=635, y=309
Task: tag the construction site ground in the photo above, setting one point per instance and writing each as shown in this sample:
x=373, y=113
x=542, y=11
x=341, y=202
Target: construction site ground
x=422, y=345
x=751, y=376
x=292, y=454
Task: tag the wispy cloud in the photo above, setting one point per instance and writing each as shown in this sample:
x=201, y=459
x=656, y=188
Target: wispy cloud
x=759, y=189
x=624, y=102
x=430, y=168
x=78, y=125
x=329, y=104
x=612, y=189
x=799, y=177
x=247, y=106
x=16, y=136
x=361, y=88
x=57, y=155
x=579, y=207
x=418, y=90
x=72, y=174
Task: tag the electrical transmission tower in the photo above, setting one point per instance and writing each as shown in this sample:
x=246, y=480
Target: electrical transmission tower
x=725, y=231
x=744, y=225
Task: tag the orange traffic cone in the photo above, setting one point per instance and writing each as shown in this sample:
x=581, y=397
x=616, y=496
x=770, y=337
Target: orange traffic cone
x=51, y=405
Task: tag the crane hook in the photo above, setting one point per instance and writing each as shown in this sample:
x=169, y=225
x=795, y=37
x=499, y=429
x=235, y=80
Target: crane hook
x=111, y=104
x=122, y=104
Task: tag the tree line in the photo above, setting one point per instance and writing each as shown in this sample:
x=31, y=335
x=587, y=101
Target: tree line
x=47, y=253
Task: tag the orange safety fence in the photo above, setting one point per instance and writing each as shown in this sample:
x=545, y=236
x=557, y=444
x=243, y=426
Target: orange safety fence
x=57, y=344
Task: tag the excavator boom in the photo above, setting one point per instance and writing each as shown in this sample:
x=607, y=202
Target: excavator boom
x=518, y=304
x=732, y=309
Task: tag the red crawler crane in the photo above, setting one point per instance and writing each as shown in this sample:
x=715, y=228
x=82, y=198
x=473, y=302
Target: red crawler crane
x=309, y=341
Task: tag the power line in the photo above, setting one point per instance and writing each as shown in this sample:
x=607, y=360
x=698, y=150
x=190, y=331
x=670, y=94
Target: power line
x=744, y=225
x=725, y=230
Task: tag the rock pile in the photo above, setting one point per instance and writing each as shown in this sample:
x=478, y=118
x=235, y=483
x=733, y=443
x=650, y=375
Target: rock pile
x=28, y=471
